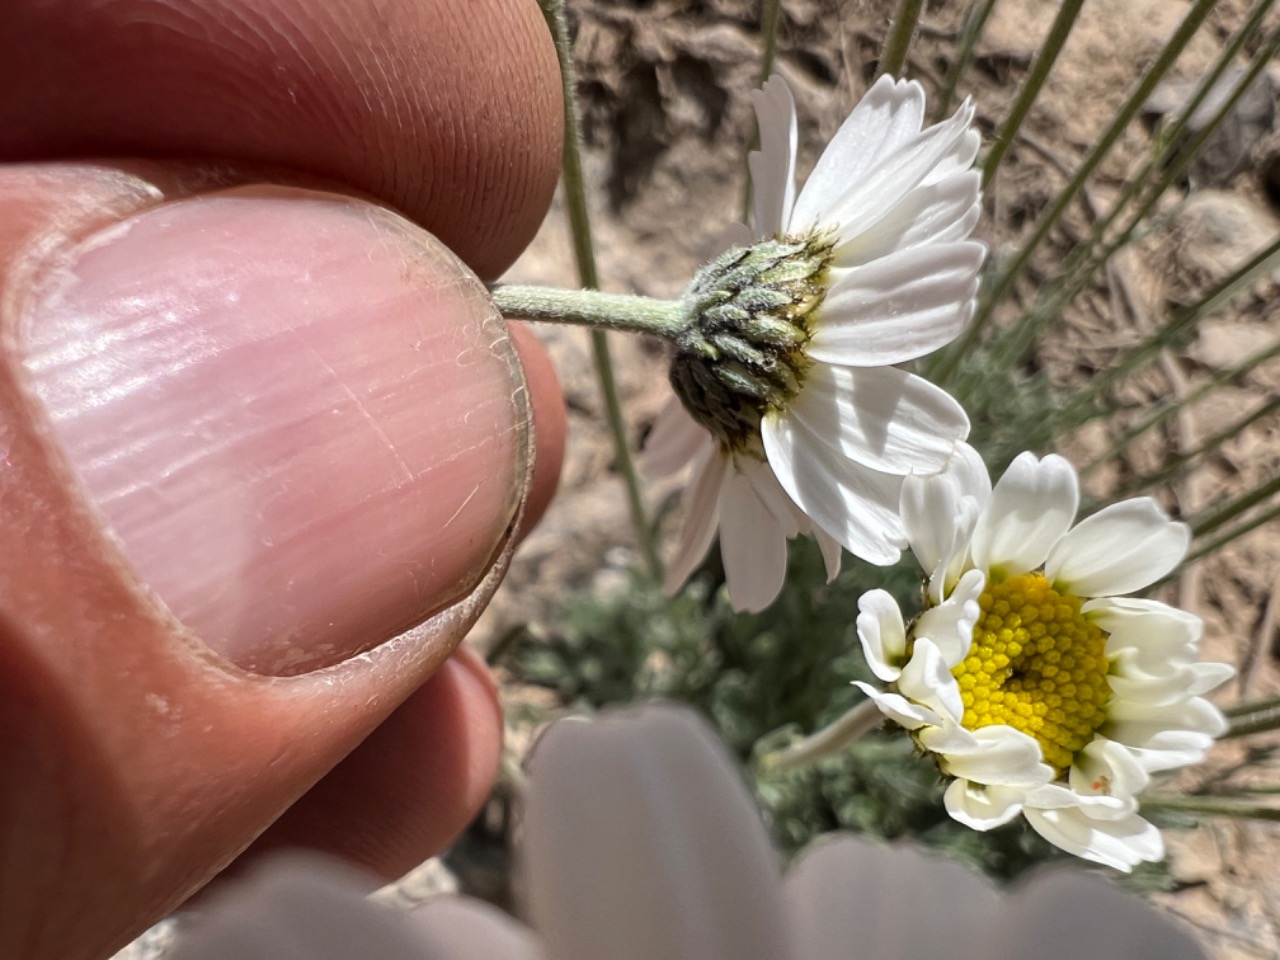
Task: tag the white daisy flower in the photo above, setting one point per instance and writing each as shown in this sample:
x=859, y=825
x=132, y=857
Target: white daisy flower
x=789, y=407
x=1035, y=683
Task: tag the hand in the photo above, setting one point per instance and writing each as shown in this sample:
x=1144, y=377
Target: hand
x=252, y=424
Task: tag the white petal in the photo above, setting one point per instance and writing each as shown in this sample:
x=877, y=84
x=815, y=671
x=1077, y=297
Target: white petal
x=674, y=442
x=1175, y=682
x=908, y=715
x=460, y=928
x=882, y=417
x=1064, y=914
x=753, y=546
x=937, y=151
x=942, y=211
x=883, y=634
x=1106, y=768
x=888, y=117
x=1030, y=508
x=1121, y=844
x=701, y=518
x=1154, y=634
x=855, y=505
x=899, y=307
x=1120, y=549
x=831, y=552
x=950, y=624
x=641, y=841
x=1003, y=756
x=982, y=807
x=968, y=471
x=927, y=679
x=1166, y=736
x=299, y=905
x=773, y=182
x=852, y=899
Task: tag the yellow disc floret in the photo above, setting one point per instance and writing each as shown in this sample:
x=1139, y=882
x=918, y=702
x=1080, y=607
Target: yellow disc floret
x=1036, y=665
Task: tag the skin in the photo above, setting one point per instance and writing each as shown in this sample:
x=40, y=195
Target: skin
x=147, y=737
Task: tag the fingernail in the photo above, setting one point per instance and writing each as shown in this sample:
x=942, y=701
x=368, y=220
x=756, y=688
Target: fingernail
x=297, y=415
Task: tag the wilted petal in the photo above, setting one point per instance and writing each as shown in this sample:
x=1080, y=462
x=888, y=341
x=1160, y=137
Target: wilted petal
x=851, y=899
x=674, y=442
x=882, y=417
x=773, y=182
x=299, y=907
x=641, y=841
x=1120, y=549
x=899, y=307
x=753, y=546
x=701, y=518
x=1031, y=507
x=1067, y=915
x=460, y=928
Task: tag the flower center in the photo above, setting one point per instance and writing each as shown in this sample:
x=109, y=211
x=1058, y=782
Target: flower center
x=1037, y=665
x=742, y=352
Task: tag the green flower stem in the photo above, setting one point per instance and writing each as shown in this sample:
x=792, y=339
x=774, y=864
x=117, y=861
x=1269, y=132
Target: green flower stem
x=1210, y=806
x=593, y=308
x=827, y=742
x=1257, y=718
x=974, y=24
x=893, y=57
x=575, y=194
x=1165, y=411
x=1046, y=221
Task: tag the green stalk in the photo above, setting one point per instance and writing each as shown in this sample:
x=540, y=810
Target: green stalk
x=1233, y=534
x=974, y=24
x=624, y=312
x=1047, y=57
x=893, y=56
x=1046, y=222
x=1182, y=321
x=1176, y=463
x=1087, y=258
x=1253, y=706
x=1234, y=508
x=1164, y=412
x=1262, y=717
x=575, y=194
x=1210, y=806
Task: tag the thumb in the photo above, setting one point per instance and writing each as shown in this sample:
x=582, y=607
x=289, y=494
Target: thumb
x=248, y=435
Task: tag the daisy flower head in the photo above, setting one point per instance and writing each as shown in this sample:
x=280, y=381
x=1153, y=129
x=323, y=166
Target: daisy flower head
x=1037, y=685
x=788, y=405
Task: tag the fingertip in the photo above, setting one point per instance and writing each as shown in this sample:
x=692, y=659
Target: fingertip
x=413, y=785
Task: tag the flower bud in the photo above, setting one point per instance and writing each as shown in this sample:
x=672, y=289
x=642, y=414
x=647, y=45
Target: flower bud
x=742, y=351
